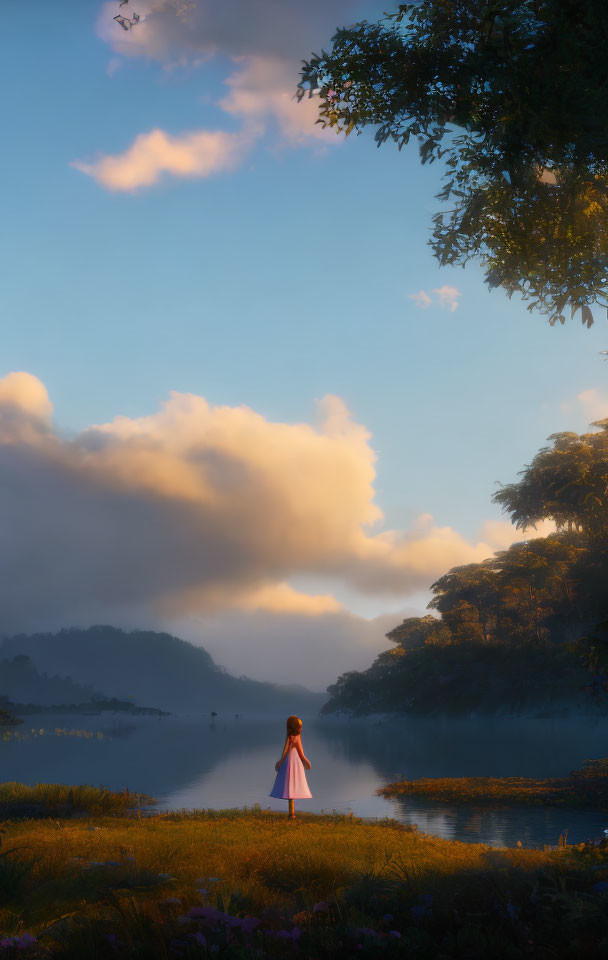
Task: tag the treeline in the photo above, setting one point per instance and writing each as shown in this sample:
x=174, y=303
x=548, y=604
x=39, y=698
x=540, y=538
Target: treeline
x=26, y=690
x=21, y=681
x=534, y=615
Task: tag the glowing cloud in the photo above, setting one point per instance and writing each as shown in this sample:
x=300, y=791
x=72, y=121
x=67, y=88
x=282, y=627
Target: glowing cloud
x=421, y=299
x=196, y=508
x=446, y=297
x=265, y=41
x=198, y=154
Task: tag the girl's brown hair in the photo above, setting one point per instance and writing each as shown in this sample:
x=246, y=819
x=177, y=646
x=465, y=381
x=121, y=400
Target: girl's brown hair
x=294, y=725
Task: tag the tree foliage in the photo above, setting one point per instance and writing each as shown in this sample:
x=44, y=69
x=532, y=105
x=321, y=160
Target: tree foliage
x=542, y=603
x=513, y=98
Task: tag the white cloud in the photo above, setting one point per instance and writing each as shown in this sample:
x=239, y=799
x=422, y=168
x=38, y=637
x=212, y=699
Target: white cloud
x=580, y=411
x=198, y=154
x=195, y=510
x=446, y=297
x=421, y=299
x=264, y=42
x=594, y=404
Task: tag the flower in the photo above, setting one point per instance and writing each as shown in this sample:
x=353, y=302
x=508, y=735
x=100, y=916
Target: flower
x=321, y=907
x=395, y=934
x=418, y=912
x=601, y=887
x=248, y=924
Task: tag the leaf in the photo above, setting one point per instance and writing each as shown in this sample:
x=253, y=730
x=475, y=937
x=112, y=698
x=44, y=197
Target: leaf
x=587, y=316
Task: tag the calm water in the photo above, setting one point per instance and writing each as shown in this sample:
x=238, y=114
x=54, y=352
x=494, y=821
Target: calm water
x=191, y=762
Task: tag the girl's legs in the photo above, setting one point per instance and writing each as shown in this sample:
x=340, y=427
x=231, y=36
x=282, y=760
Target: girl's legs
x=292, y=809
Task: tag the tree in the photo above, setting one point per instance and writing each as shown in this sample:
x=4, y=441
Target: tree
x=466, y=598
x=567, y=483
x=414, y=632
x=513, y=97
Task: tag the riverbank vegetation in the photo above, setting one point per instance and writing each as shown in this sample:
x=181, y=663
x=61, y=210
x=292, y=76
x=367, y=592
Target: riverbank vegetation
x=253, y=884
x=523, y=631
x=56, y=800
x=585, y=787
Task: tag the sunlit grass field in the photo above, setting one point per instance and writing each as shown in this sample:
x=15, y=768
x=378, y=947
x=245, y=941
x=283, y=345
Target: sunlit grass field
x=585, y=787
x=249, y=883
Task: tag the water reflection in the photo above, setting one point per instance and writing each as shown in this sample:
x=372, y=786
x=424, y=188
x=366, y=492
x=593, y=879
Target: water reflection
x=229, y=762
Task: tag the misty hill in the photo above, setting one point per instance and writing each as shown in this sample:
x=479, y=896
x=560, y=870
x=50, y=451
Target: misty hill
x=23, y=689
x=156, y=669
x=21, y=682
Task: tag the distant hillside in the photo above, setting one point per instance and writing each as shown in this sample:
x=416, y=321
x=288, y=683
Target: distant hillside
x=155, y=669
x=20, y=681
x=23, y=690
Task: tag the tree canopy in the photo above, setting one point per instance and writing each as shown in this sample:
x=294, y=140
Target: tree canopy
x=539, y=607
x=513, y=98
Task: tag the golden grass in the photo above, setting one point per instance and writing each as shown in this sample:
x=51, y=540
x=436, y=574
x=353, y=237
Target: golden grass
x=273, y=861
x=71, y=883
x=585, y=787
x=56, y=799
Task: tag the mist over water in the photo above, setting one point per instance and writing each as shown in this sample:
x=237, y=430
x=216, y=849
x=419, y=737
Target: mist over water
x=198, y=762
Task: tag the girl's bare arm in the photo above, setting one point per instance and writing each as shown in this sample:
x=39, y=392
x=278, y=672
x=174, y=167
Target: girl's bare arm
x=304, y=759
x=279, y=762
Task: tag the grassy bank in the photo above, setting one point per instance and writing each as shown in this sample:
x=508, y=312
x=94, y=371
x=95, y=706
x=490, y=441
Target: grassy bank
x=18, y=800
x=585, y=787
x=252, y=884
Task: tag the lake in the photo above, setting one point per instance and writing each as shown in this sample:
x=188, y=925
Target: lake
x=196, y=762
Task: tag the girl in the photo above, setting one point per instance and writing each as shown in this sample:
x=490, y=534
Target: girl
x=290, y=783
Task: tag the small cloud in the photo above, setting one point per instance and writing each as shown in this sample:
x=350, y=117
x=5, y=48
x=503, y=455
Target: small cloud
x=283, y=598
x=421, y=299
x=585, y=408
x=197, y=154
x=447, y=297
x=594, y=404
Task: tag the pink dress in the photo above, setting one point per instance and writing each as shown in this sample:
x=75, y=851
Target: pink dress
x=290, y=783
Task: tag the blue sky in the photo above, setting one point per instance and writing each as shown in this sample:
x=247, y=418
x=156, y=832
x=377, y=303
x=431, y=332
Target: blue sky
x=270, y=284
